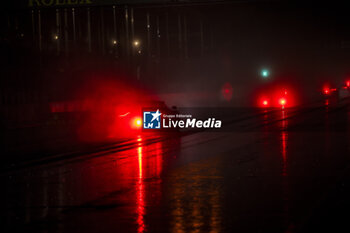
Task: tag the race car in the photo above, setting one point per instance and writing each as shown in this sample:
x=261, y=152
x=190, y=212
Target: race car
x=275, y=96
x=107, y=110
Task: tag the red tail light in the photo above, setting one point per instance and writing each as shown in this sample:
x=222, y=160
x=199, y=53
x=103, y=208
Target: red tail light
x=136, y=122
x=283, y=101
x=265, y=103
x=326, y=91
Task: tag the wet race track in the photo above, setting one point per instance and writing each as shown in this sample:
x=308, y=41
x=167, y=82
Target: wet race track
x=281, y=171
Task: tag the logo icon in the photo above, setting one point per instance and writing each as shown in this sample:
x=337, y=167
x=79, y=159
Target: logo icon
x=151, y=120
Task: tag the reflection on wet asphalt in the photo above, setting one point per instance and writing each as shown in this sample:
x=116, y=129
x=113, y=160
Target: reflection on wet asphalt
x=253, y=181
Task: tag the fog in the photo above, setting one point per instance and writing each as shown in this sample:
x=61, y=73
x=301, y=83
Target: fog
x=186, y=54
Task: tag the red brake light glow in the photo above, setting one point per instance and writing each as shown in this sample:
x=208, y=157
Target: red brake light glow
x=282, y=101
x=277, y=96
x=136, y=122
x=326, y=90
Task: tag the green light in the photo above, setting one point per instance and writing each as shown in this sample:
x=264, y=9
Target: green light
x=265, y=73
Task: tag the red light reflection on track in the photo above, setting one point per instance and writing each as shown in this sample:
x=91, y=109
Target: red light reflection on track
x=159, y=159
x=284, y=143
x=149, y=159
x=326, y=102
x=285, y=183
x=284, y=153
x=140, y=192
